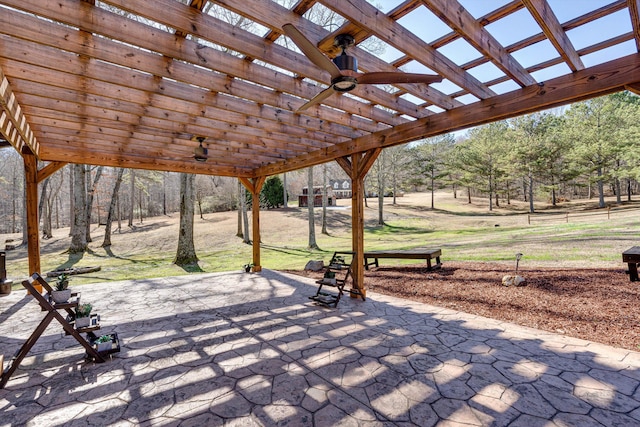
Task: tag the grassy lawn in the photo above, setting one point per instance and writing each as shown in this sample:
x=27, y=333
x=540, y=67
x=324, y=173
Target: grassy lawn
x=464, y=232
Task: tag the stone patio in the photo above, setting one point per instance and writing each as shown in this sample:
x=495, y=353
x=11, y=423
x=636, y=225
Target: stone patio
x=251, y=349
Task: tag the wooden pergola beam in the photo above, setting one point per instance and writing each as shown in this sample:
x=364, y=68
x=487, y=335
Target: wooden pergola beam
x=457, y=17
x=13, y=124
x=544, y=16
x=588, y=83
x=49, y=170
x=31, y=195
x=383, y=27
x=266, y=13
x=634, y=14
x=255, y=186
x=356, y=167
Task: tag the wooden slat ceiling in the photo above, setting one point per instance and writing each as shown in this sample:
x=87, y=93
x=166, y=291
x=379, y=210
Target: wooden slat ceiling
x=131, y=82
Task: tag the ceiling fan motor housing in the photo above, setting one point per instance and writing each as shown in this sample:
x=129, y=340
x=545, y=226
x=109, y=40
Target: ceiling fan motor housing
x=345, y=62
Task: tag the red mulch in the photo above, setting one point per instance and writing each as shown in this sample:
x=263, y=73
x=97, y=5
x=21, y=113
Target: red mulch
x=599, y=305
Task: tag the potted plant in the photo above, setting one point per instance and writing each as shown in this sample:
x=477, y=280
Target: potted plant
x=329, y=278
x=83, y=313
x=61, y=292
x=247, y=267
x=103, y=343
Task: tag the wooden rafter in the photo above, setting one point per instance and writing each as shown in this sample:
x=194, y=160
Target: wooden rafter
x=634, y=14
x=451, y=12
x=383, y=27
x=130, y=89
x=590, y=82
x=550, y=25
x=13, y=123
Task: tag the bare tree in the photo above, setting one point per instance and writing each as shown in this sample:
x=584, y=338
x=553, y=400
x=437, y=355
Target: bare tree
x=79, y=217
x=112, y=208
x=310, y=203
x=91, y=195
x=324, y=200
x=186, y=253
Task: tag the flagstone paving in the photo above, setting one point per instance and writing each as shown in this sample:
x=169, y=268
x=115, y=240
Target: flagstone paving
x=240, y=349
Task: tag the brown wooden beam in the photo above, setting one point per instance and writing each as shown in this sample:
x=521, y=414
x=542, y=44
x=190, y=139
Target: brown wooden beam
x=588, y=83
x=33, y=232
x=457, y=17
x=544, y=16
x=634, y=14
x=357, y=166
x=255, y=186
x=404, y=40
x=13, y=124
x=49, y=170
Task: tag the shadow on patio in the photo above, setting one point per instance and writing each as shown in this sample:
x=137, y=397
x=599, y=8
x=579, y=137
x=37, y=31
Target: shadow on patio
x=251, y=349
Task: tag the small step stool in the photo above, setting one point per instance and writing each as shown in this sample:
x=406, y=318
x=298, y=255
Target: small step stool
x=335, y=277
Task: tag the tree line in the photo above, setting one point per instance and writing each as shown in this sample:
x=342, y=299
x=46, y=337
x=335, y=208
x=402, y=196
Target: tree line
x=589, y=149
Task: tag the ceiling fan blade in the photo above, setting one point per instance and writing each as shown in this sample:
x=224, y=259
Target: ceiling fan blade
x=310, y=50
x=384, y=77
x=318, y=98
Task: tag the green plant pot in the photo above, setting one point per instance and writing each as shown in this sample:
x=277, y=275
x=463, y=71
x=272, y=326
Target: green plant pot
x=61, y=296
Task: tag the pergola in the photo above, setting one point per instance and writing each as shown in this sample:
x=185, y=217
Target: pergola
x=132, y=83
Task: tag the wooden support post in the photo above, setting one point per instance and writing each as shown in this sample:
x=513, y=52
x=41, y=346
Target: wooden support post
x=357, y=226
x=33, y=232
x=357, y=169
x=255, y=186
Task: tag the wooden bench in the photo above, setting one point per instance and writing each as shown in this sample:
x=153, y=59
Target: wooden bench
x=632, y=257
x=427, y=254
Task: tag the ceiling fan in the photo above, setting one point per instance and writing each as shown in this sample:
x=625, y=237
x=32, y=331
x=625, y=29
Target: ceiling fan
x=344, y=68
x=200, y=153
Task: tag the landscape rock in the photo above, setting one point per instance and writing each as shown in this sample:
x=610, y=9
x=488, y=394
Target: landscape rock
x=510, y=280
x=314, y=265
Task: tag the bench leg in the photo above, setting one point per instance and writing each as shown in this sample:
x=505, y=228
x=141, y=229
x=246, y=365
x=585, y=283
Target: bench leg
x=633, y=271
x=428, y=263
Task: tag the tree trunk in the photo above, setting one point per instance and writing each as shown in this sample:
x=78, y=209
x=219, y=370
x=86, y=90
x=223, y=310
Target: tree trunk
x=164, y=193
x=531, y=207
x=45, y=210
x=310, y=200
x=324, y=200
x=284, y=188
x=628, y=189
x=239, y=194
x=79, y=217
x=490, y=192
x=186, y=254
x=90, y=196
x=455, y=191
x=364, y=194
x=72, y=179
x=600, y=189
x=433, y=202
x=469, y=195
x=524, y=189
x=380, y=196
x=245, y=219
x=112, y=209
x=132, y=192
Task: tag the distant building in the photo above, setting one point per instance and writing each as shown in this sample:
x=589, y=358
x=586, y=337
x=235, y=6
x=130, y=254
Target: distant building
x=341, y=188
x=317, y=199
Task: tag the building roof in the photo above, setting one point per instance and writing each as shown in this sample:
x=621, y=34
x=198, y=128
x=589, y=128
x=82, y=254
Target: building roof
x=133, y=83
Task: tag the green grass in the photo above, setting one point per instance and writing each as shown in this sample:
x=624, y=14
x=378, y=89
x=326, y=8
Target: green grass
x=470, y=237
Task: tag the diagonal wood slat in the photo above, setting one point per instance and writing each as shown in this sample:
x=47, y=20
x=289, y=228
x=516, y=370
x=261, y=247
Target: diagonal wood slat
x=451, y=12
x=550, y=25
x=13, y=124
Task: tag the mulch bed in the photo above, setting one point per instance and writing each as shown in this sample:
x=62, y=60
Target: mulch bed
x=599, y=305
